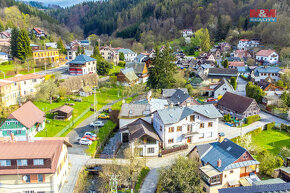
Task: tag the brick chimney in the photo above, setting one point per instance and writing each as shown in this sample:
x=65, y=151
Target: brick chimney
x=221, y=137
x=219, y=163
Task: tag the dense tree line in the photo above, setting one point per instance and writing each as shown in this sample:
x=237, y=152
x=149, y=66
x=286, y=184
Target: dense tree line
x=20, y=44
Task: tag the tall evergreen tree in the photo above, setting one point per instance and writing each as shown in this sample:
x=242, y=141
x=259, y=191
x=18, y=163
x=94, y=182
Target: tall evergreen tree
x=162, y=70
x=23, y=45
x=219, y=31
x=96, y=54
x=205, y=46
x=60, y=46
x=13, y=41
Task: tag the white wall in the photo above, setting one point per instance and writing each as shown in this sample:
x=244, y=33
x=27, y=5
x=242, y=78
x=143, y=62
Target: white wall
x=123, y=122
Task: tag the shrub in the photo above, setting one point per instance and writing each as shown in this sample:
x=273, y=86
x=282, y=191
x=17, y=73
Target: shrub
x=227, y=118
x=121, y=64
x=269, y=162
x=270, y=126
x=252, y=119
x=285, y=127
x=144, y=172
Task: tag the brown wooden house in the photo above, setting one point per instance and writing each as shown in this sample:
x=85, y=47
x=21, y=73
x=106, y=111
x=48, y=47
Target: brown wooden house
x=127, y=77
x=62, y=113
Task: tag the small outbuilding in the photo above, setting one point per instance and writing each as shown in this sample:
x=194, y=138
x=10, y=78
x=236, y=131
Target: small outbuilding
x=62, y=113
x=85, y=92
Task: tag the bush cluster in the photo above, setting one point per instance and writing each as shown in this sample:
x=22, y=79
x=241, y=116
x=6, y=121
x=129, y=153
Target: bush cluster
x=252, y=119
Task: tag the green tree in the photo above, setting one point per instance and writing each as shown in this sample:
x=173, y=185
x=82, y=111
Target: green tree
x=280, y=83
x=60, y=46
x=2, y=28
x=47, y=90
x=162, y=70
x=201, y=38
x=182, y=176
x=234, y=82
x=226, y=64
x=13, y=42
x=286, y=98
x=269, y=162
x=103, y=67
x=96, y=54
x=255, y=92
x=121, y=56
x=23, y=45
x=219, y=31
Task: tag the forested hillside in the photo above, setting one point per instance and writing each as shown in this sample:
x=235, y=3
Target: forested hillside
x=19, y=14
x=151, y=21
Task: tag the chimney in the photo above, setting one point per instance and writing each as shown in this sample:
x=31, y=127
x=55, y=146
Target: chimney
x=219, y=163
x=221, y=137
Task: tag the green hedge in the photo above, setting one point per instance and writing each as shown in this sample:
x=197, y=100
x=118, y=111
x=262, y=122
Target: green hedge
x=252, y=119
x=285, y=127
x=144, y=172
x=270, y=125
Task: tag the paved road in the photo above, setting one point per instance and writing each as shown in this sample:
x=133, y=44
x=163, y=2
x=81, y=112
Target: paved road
x=241, y=87
x=61, y=69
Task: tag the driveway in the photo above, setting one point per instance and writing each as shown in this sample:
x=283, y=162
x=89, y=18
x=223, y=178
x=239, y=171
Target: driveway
x=241, y=87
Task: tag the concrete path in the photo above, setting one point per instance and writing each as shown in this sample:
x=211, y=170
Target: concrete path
x=241, y=87
x=150, y=182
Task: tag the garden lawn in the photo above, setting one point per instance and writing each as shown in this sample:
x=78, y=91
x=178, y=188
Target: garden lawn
x=272, y=140
x=104, y=96
x=115, y=70
x=11, y=67
x=118, y=105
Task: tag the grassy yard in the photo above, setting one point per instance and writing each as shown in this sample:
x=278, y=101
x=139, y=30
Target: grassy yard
x=115, y=70
x=11, y=68
x=118, y=105
x=104, y=96
x=272, y=140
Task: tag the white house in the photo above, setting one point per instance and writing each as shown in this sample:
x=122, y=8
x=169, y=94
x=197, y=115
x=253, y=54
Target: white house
x=263, y=72
x=129, y=54
x=187, y=32
x=51, y=45
x=3, y=57
x=182, y=125
x=223, y=87
x=268, y=56
x=71, y=55
x=244, y=44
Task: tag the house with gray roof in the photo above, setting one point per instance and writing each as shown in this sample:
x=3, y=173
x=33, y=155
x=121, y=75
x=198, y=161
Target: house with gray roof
x=217, y=74
x=264, y=72
x=225, y=164
x=178, y=97
x=128, y=54
x=140, y=69
x=222, y=87
x=185, y=125
x=127, y=77
x=141, y=135
x=82, y=65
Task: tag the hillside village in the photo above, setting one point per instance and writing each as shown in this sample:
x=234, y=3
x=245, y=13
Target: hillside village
x=88, y=116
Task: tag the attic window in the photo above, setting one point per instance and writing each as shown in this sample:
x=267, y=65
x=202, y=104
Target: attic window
x=207, y=111
x=171, y=115
x=229, y=148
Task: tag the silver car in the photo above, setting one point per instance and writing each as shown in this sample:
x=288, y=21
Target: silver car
x=84, y=141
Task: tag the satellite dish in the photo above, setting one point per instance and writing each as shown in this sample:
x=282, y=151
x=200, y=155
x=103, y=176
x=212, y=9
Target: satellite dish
x=25, y=178
x=23, y=129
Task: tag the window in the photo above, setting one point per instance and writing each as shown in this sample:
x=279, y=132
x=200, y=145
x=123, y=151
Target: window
x=210, y=124
x=18, y=132
x=34, y=80
x=24, y=82
x=38, y=162
x=160, y=128
x=192, y=118
x=170, y=140
x=202, y=125
x=150, y=150
x=8, y=131
x=26, y=179
x=215, y=180
x=5, y=163
x=22, y=162
x=179, y=128
x=201, y=136
x=32, y=191
x=232, y=171
x=188, y=128
x=171, y=130
x=40, y=177
x=246, y=156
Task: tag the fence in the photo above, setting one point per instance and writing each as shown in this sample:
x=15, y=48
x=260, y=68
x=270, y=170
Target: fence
x=71, y=124
x=174, y=149
x=274, y=113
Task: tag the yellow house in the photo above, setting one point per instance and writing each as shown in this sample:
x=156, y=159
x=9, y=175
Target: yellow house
x=46, y=56
x=33, y=166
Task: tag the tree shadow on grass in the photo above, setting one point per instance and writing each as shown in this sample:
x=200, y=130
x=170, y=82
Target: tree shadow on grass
x=277, y=145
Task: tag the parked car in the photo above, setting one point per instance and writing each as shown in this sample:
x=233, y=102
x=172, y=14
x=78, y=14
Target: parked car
x=97, y=124
x=211, y=99
x=85, y=141
x=89, y=138
x=103, y=116
x=90, y=134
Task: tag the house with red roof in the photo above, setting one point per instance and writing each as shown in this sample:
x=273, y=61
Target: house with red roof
x=24, y=122
x=267, y=56
x=38, y=32
x=13, y=90
x=30, y=166
x=236, y=64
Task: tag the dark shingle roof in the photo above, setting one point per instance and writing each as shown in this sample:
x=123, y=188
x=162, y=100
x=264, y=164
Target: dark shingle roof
x=235, y=102
x=178, y=97
x=138, y=67
x=267, y=188
x=223, y=71
x=82, y=59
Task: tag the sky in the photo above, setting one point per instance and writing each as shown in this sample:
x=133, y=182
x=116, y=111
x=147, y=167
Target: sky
x=62, y=3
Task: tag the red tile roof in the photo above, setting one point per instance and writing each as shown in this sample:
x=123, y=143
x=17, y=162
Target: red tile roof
x=244, y=40
x=37, y=149
x=28, y=115
x=236, y=64
x=265, y=53
x=21, y=77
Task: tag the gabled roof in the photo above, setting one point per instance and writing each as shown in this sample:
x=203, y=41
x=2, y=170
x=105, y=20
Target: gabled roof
x=223, y=71
x=178, y=97
x=126, y=51
x=236, y=64
x=129, y=74
x=82, y=59
x=226, y=151
x=134, y=110
x=64, y=108
x=28, y=115
x=266, y=188
x=37, y=149
x=19, y=77
x=221, y=83
x=264, y=69
x=176, y=114
x=230, y=59
x=235, y=102
x=265, y=85
x=137, y=66
x=169, y=92
x=243, y=69
x=265, y=53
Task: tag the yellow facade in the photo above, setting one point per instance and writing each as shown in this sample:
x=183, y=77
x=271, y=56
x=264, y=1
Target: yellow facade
x=48, y=56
